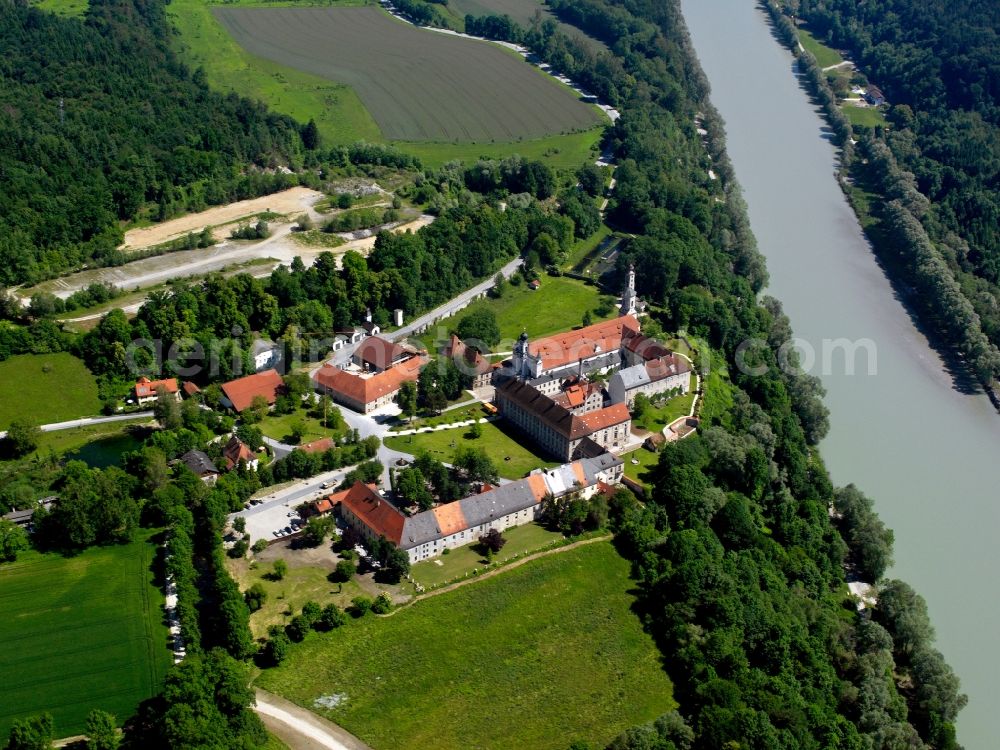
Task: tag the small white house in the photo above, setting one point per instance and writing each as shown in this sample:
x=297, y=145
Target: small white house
x=266, y=355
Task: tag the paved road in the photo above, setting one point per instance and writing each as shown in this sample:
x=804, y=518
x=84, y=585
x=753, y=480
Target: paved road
x=85, y=421
x=343, y=357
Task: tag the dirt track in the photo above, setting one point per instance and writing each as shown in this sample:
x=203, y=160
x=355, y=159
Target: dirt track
x=292, y=201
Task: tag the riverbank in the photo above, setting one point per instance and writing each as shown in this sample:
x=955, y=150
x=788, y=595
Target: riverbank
x=823, y=269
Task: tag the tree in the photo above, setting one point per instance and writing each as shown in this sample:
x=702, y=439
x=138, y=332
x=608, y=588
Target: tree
x=33, y=733
x=412, y=486
x=13, y=539
x=239, y=524
x=239, y=549
x=331, y=617
x=475, y=430
x=102, y=731
x=640, y=405
x=588, y=318
x=407, y=399
x=480, y=328
x=167, y=410
x=499, y=286
x=256, y=411
x=382, y=604
x=22, y=437
x=343, y=572
x=477, y=466
x=298, y=628
x=259, y=546
x=310, y=135
x=298, y=430
x=255, y=597
x=360, y=606
x=591, y=179
x=251, y=435
x=311, y=612
x=492, y=540
x=280, y=569
x=395, y=565
x=318, y=528
x=276, y=649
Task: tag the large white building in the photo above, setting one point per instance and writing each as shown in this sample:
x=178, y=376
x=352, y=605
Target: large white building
x=428, y=534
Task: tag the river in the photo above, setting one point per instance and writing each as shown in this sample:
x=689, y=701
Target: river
x=927, y=452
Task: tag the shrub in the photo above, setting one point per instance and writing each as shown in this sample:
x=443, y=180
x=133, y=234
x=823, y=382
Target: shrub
x=330, y=618
x=382, y=604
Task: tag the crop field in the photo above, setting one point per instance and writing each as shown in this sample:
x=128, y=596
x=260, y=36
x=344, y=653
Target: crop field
x=418, y=85
x=80, y=633
x=46, y=388
x=533, y=658
x=522, y=12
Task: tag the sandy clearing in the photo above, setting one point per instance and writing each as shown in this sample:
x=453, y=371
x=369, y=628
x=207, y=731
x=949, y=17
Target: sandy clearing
x=279, y=248
x=301, y=729
x=293, y=200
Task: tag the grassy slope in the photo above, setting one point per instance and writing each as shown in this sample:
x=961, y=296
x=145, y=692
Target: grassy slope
x=563, y=299
x=535, y=657
x=46, y=388
x=336, y=108
x=463, y=560
x=338, y=111
x=498, y=443
x=80, y=633
x=825, y=56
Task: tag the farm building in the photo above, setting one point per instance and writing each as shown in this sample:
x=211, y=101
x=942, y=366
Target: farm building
x=235, y=451
x=146, y=391
x=427, y=534
x=365, y=392
x=469, y=361
x=201, y=466
x=240, y=393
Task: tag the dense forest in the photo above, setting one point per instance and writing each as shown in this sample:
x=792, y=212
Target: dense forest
x=742, y=568
x=98, y=119
x=939, y=67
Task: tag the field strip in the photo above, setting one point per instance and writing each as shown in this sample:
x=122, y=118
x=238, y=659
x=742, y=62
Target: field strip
x=611, y=113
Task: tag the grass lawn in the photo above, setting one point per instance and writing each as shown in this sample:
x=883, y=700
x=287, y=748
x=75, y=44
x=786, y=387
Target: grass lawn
x=63, y=7
x=825, y=56
x=301, y=584
x=498, y=443
x=46, y=388
x=461, y=561
x=647, y=460
x=564, y=300
x=536, y=657
x=279, y=426
x=869, y=117
x=80, y=633
x=451, y=416
x=658, y=416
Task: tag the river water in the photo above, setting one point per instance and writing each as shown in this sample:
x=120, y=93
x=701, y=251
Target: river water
x=907, y=436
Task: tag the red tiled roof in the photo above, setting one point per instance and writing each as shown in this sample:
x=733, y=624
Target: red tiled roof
x=242, y=391
x=379, y=352
x=146, y=388
x=458, y=350
x=365, y=390
x=598, y=420
x=566, y=348
x=664, y=367
x=317, y=446
x=190, y=388
x=644, y=346
x=235, y=451
x=377, y=514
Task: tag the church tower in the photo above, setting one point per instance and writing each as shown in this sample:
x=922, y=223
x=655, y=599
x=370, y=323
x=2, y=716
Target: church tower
x=629, y=299
x=519, y=362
